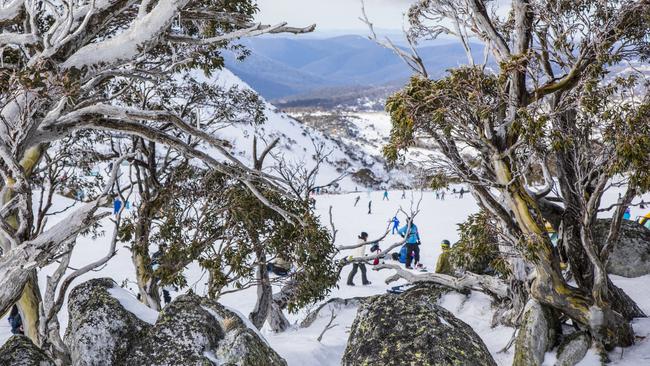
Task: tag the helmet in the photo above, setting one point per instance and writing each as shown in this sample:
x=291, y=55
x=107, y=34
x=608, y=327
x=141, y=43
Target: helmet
x=445, y=243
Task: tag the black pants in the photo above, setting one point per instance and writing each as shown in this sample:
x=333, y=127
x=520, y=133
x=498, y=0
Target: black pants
x=415, y=249
x=166, y=297
x=353, y=273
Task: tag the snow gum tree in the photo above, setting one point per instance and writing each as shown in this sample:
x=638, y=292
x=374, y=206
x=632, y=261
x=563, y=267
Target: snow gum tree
x=547, y=99
x=64, y=67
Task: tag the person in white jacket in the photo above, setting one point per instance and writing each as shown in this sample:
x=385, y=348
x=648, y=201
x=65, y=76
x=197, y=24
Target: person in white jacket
x=358, y=253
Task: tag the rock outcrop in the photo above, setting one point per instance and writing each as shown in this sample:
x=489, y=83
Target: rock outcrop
x=21, y=351
x=188, y=332
x=411, y=329
x=573, y=349
x=100, y=330
x=631, y=256
x=538, y=334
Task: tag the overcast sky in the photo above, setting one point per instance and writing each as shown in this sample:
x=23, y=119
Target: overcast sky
x=332, y=15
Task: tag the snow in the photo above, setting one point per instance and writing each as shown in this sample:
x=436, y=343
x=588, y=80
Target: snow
x=437, y=220
x=131, y=304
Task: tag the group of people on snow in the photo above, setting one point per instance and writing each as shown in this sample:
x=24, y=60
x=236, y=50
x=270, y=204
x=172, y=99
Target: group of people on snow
x=409, y=254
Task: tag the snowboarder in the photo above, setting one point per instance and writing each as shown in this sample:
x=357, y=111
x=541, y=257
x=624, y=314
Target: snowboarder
x=155, y=264
x=385, y=196
x=412, y=243
x=356, y=200
x=359, y=252
x=444, y=266
x=395, y=222
x=15, y=321
x=369, y=207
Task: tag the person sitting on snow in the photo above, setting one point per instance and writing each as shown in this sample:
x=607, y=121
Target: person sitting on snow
x=444, y=265
x=279, y=267
x=412, y=243
x=359, y=253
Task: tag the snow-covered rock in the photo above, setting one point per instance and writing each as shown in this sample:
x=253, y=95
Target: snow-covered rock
x=100, y=330
x=631, y=256
x=197, y=331
x=20, y=351
x=109, y=328
x=412, y=329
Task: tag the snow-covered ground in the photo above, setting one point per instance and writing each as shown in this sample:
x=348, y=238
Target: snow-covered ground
x=437, y=220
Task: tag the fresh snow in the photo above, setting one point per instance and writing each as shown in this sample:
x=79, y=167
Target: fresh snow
x=131, y=304
x=437, y=220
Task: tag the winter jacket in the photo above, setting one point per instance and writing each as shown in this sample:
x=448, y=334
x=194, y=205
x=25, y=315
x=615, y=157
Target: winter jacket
x=444, y=265
x=402, y=254
x=414, y=236
x=360, y=251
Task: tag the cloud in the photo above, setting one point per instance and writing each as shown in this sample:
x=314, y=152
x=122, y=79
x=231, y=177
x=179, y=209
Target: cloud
x=334, y=14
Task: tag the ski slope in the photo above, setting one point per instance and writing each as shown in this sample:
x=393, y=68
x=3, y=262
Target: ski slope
x=437, y=220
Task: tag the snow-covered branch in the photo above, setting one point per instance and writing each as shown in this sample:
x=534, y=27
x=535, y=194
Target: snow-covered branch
x=468, y=281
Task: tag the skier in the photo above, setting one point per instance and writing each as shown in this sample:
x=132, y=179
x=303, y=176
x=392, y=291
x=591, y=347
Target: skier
x=16, y=321
x=359, y=252
x=442, y=195
x=356, y=200
x=369, y=207
x=444, y=266
x=395, y=222
x=403, y=194
x=462, y=191
x=117, y=206
x=627, y=214
x=385, y=196
x=412, y=243
x=155, y=264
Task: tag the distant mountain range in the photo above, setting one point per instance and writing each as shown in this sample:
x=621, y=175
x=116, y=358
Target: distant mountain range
x=292, y=69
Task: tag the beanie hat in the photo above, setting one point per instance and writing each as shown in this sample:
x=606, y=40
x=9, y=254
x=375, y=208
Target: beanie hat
x=363, y=235
x=445, y=243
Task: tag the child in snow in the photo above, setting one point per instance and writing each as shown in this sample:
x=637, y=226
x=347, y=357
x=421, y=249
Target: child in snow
x=395, y=222
x=444, y=266
x=359, y=252
x=412, y=243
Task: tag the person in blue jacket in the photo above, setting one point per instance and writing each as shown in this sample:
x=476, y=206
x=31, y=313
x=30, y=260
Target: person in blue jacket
x=412, y=243
x=395, y=222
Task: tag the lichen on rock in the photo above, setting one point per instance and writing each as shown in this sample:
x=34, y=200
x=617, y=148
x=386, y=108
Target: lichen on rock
x=411, y=329
x=21, y=351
